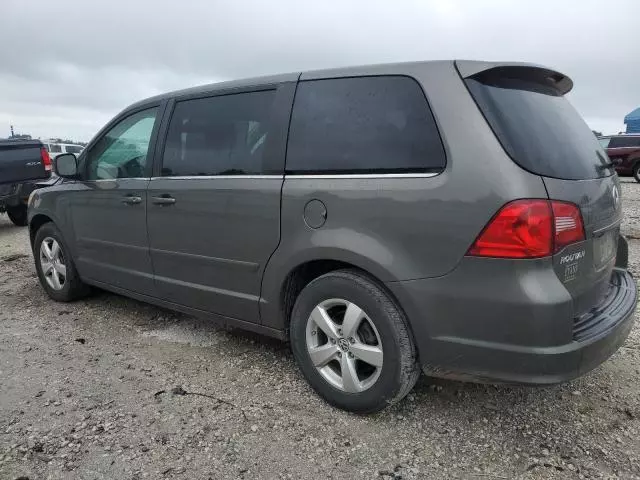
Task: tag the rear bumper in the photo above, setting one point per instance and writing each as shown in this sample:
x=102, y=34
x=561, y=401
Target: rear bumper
x=592, y=339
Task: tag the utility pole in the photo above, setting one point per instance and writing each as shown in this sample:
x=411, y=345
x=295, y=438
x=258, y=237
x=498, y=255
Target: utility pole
x=12, y=131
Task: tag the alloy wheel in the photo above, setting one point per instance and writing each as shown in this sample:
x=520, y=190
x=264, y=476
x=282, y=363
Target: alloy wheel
x=344, y=345
x=52, y=263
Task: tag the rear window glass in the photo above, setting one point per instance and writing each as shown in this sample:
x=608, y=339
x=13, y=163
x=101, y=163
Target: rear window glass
x=622, y=142
x=53, y=148
x=73, y=149
x=539, y=128
x=363, y=125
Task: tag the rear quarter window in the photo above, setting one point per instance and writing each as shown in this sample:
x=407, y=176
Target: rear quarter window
x=363, y=125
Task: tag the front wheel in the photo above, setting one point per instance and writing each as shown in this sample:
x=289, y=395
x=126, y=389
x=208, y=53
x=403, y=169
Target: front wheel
x=55, y=267
x=636, y=172
x=18, y=215
x=352, y=343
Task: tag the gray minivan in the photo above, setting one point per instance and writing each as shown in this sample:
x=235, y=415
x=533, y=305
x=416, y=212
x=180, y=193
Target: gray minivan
x=454, y=217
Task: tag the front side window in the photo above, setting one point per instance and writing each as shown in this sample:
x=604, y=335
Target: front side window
x=122, y=151
x=222, y=135
x=363, y=125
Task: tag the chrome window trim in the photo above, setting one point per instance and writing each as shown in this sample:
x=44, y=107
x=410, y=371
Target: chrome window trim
x=279, y=177
x=363, y=175
x=215, y=177
x=116, y=179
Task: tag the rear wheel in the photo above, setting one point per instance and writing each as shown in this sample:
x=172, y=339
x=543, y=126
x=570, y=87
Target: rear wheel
x=18, y=215
x=55, y=267
x=636, y=172
x=352, y=343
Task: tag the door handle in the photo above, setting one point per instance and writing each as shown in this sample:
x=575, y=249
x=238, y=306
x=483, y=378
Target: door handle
x=164, y=199
x=132, y=200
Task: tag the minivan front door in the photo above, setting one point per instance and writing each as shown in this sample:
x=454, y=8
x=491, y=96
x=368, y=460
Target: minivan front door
x=214, y=209
x=108, y=211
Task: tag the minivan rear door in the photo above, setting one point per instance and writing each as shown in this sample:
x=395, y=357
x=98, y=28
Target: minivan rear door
x=214, y=201
x=540, y=130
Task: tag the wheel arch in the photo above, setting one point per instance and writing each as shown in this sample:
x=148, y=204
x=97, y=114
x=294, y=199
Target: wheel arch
x=35, y=223
x=276, y=308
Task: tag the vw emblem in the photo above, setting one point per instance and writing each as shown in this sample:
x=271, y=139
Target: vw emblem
x=343, y=343
x=615, y=193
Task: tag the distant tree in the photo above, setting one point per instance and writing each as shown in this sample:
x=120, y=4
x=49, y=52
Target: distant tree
x=597, y=133
x=20, y=136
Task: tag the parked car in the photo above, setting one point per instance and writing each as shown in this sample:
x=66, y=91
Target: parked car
x=384, y=219
x=56, y=149
x=22, y=164
x=624, y=151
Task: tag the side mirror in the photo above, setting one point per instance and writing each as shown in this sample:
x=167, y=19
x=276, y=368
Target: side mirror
x=66, y=165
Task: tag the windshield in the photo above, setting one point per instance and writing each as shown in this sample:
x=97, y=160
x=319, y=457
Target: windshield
x=539, y=128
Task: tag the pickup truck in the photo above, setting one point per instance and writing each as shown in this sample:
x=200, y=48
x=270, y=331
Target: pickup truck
x=23, y=163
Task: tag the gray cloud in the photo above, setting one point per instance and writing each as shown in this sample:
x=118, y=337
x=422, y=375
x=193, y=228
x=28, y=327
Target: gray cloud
x=67, y=66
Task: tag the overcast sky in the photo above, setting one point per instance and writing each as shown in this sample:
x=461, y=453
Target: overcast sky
x=68, y=66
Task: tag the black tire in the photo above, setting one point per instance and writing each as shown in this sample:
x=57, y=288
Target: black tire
x=73, y=287
x=636, y=172
x=400, y=369
x=18, y=215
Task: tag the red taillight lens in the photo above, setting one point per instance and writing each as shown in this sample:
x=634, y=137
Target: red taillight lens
x=529, y=229
x=46, y=159
x=521, y=229
x=568, y=224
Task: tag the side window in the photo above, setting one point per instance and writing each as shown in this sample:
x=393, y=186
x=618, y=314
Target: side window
x=223, y=135
x=625, y=141
x=363, y=125
x=122, y=151
x=54, y=148
x=73, y=149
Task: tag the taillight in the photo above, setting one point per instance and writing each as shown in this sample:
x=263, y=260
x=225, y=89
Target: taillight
x=568, y=224
x=529, y=229
x=46, y=159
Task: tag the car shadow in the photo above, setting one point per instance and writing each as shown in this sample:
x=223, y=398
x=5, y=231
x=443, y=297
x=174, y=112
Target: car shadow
x=6, y=226
x=454, y=399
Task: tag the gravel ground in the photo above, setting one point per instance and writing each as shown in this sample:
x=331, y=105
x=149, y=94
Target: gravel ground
x=112, y=388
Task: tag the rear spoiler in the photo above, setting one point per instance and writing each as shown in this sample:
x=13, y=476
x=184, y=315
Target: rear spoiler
x=529, y=71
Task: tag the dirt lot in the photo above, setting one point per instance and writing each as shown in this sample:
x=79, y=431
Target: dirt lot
x=112, y=388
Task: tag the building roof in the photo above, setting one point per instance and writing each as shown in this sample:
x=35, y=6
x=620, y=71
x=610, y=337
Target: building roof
x=633, y=116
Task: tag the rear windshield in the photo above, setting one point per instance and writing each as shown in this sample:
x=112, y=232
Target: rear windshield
x=623, y=142
x=539, y=128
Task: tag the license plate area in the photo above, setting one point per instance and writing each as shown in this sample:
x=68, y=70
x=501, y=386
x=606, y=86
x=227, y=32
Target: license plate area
x=604, y=248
